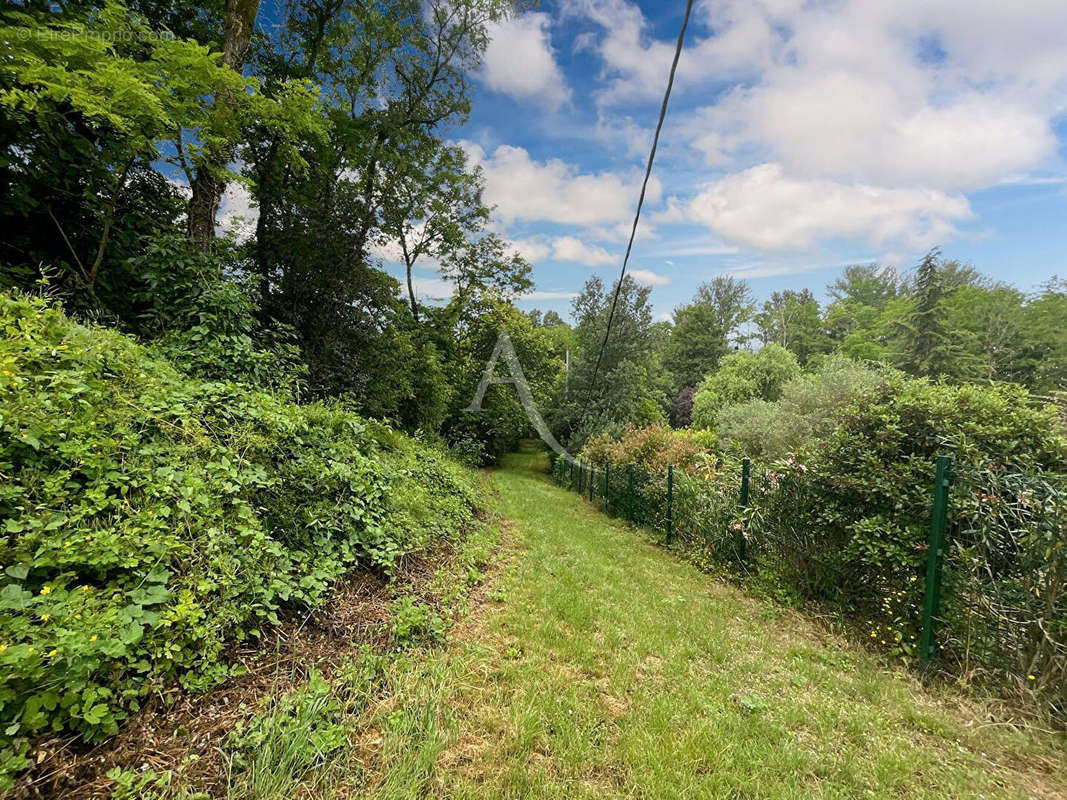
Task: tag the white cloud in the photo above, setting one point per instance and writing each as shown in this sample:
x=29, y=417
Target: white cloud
x=648, y=277
x=1032, y=180
x=791, y=267
x=615, y=130
x=181, y=185
x=549, y=296
x=865, y=128
x=522, y=189
x=673, y=212
x=762, y=207
x=620, y=232
x=533, y=250
x=432, y=288
x=694, y=246
x=568, y=248
x=237, y=214
x=520, y=61
x=636, y=65
x=562, y=248
x=875, y=115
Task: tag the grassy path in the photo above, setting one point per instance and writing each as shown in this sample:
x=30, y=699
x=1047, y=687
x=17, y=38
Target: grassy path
x=606, y=668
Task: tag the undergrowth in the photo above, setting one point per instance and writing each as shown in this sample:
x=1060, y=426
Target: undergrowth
x=151, y=520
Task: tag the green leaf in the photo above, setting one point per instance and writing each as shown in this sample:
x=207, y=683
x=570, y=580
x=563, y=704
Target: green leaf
x=18, y=571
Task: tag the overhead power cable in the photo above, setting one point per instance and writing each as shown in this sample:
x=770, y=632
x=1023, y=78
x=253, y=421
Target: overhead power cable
x=644, y=186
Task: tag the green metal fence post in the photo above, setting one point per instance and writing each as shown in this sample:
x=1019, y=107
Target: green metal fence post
x=630, y=493
x=746, y=472
x=607, y=487
x=935, y=558
x=670, y=502
x=592, y=480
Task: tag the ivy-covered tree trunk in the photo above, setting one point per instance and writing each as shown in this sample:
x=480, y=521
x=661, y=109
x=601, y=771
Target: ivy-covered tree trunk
x=208, y=184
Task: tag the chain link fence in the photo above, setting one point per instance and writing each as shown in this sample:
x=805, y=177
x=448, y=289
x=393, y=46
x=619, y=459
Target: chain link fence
x=973, y=588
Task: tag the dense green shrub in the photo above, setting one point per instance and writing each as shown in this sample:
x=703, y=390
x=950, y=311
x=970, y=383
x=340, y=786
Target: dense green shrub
x=848, y=521
x=151, y=519
x=743, y=376
x=207, y=324
x=857, y=506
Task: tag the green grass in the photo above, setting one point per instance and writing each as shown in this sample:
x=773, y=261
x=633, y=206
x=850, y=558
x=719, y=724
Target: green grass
x=606, y=667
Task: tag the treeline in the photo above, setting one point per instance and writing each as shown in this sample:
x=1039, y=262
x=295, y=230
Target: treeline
x=943, y=320
x=123, y=125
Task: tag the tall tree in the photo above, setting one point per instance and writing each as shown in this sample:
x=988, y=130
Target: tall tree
x=94, y=107
x=209, y=180
x=986, y=324
x=706, y=328
x=792, y=320
x=436, y=207
x=866, y=284
x=926, y=341
x=626, y=390
x=855, y=320
x=1043, y=349
x=392, y=76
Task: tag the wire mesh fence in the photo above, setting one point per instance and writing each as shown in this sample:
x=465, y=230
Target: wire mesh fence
x=987, y=587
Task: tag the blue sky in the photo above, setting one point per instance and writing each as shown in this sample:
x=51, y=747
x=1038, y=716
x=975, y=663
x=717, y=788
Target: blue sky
x=802, y=136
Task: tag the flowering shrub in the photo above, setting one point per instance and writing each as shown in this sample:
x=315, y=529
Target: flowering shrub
x=150, y=519
x=655, y=448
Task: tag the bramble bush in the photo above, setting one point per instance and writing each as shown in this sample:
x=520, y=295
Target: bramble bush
x=151, y=519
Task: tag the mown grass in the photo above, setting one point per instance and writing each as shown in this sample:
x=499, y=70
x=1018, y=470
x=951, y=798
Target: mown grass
x=611, y=669
x=600, y=666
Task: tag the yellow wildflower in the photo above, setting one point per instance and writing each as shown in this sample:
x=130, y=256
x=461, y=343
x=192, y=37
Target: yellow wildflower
x=46, y=589
x=45, y=617
x=92, y=638
x=52, y=653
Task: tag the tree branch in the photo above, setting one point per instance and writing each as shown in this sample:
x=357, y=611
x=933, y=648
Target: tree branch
x=109, y=216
